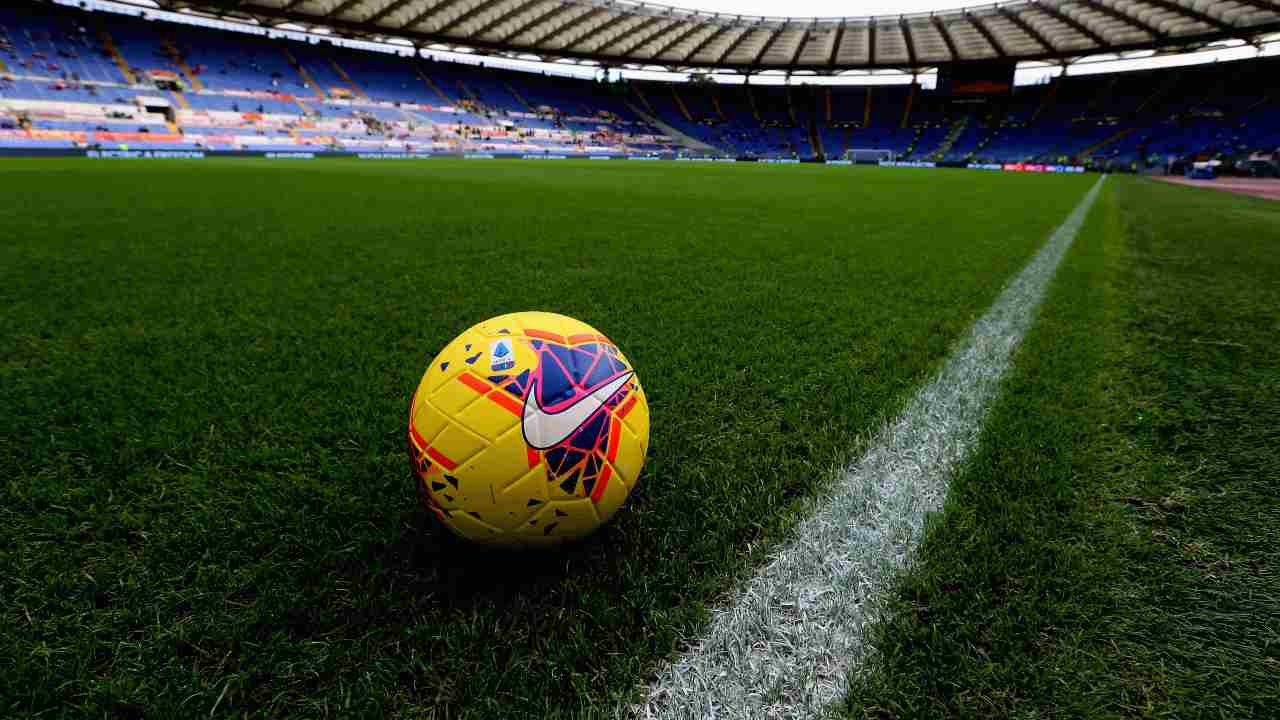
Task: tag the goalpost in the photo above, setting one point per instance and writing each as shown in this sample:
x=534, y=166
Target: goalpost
x=868, y=156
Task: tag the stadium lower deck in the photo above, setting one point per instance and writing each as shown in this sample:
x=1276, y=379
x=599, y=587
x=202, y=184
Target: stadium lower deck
x=73, y=80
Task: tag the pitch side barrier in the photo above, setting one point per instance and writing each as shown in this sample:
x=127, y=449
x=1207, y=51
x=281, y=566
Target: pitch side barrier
x=127, y=154
x=160, y=154
x=1003, y=167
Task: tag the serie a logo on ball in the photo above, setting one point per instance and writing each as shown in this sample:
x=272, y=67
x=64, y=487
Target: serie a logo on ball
x=529, y=428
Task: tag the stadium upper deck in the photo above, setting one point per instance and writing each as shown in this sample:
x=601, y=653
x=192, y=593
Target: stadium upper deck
x=621, y=32
x=72, y=79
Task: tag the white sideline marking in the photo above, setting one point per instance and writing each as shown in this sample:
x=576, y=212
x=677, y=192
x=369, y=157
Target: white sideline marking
x=786, y=647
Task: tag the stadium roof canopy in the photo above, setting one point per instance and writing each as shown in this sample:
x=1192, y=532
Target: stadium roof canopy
x=622, y=33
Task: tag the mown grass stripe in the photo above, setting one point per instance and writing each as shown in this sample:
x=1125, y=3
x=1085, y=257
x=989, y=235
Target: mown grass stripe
x=205, y=476
x=785, y=647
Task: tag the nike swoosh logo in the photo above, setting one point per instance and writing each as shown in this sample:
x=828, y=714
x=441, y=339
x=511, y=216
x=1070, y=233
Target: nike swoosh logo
x=544, y=430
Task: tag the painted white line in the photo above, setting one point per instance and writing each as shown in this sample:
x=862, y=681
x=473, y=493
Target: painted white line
x=786, y=647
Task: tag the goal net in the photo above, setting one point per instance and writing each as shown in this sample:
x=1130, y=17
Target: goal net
x=867, y=156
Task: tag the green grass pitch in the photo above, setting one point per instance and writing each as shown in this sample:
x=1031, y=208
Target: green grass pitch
x=207, y=506
x=1113, y=547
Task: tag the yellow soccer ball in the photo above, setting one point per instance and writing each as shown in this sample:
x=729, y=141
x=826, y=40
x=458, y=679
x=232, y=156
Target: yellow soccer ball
x=530, y=428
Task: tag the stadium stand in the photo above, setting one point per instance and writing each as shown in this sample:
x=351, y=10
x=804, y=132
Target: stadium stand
x=81, y=80
x=75, y=80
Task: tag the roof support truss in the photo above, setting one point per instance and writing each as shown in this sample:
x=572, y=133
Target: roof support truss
x=773, y=37
x=341, y=8
x=643, y=33
x=706, y=43
x=1025, y=27
x=982, y=29
x=374, y=18
x=1261, y=4
x=734, y=45
x=835, y=46
x=430, y=12
x=804, y=40
x=906, y=37
x=1072, y=23
x=506, y=16
x=570, y=26
x=1192, y=13
x=1122, y=17
x=679, y=38
x=946, y=38
x=535, y=22
x=468, y=15
x=615, y=22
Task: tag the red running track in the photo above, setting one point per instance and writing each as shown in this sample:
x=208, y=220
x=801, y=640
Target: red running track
x=1268, y=188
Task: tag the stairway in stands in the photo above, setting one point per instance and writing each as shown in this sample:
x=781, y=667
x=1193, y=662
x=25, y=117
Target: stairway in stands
x=426, y=80
x=1102, y=98
x=950, y=139
x=986, y=141
x=1045, y=103
x=815, y=139
x=644, y=101
x=1098, y=146
x=809, y=114
x=172, y=51
x=993, y=122
x=471, y=94
x=684, y=109
x=915, y=142
x=109, y=45
x=519, y=98
x=677, y=135
x=302, y=72
x=751, y=98
x=359, y=91
x=1161, y=91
